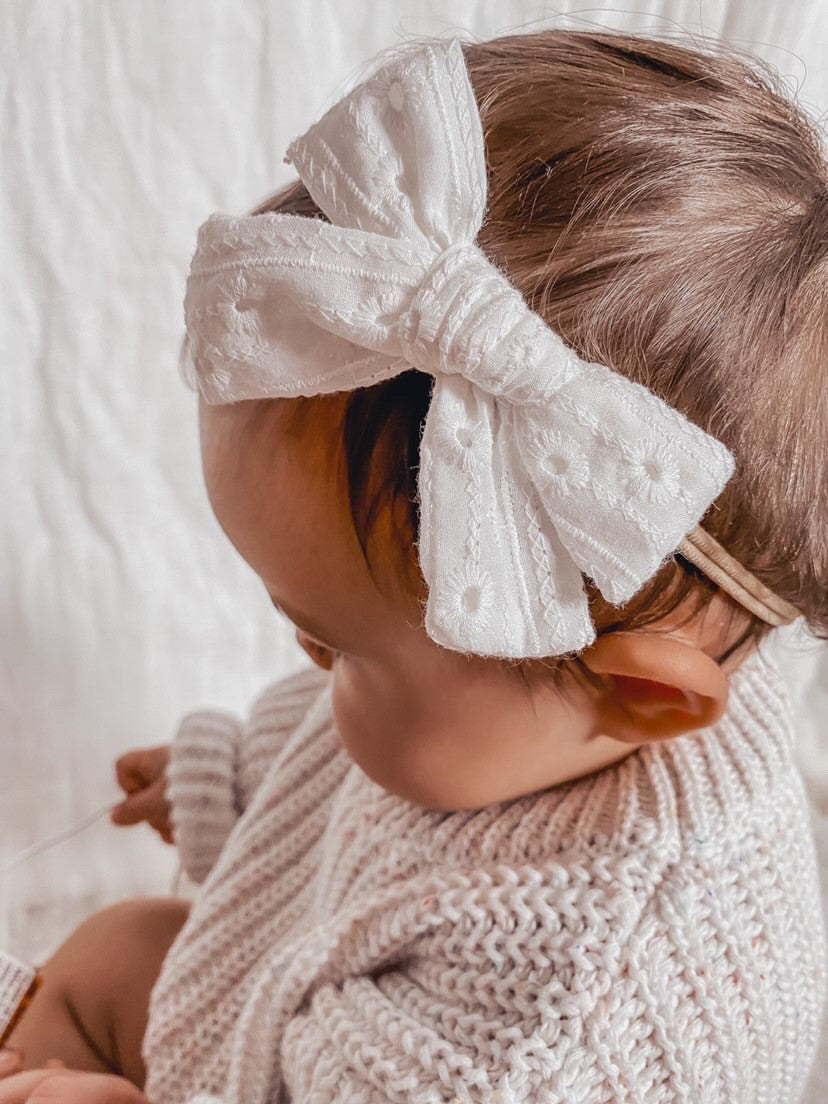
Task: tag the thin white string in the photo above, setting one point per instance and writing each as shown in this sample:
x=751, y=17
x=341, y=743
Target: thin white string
x=35, y=849
x=51, y=841
x=44, y=845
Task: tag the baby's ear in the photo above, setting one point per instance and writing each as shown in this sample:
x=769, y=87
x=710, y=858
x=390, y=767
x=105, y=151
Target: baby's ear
x=656, y=685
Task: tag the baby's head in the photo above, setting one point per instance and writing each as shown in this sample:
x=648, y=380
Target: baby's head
x=666, y=213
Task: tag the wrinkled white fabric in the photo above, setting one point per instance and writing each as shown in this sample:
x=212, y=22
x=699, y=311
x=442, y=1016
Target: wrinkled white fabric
x=536, y=467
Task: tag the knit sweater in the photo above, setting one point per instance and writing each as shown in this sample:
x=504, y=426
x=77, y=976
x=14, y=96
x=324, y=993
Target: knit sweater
x=649, y=933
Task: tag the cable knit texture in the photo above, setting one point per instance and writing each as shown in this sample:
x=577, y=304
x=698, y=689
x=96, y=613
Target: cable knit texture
x=651, y=933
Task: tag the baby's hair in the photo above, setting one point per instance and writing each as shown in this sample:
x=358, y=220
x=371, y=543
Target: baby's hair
x=666, y=212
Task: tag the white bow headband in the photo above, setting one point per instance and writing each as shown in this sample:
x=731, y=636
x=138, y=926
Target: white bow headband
x=536, y=467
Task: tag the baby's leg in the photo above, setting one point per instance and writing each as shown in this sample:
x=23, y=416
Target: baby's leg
x=91, y=1011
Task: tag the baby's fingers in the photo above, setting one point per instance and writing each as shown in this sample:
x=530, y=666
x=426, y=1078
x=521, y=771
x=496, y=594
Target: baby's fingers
x=18, y=1088
x=163, y=827
x=137, y=769
x=33, y=1086
x=147, y=804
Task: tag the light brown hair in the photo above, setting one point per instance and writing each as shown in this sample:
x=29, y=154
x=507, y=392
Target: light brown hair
x=666, y=212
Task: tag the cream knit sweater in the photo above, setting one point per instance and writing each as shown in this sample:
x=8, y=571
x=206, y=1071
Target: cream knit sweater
x=651, y=933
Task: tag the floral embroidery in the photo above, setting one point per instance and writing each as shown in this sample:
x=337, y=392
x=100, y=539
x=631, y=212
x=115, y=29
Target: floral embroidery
x=653, y=474
x=561, y=461
x=465, y=601
x=455, y=442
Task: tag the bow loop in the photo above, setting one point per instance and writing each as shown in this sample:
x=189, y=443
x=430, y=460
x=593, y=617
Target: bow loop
x=403, y=154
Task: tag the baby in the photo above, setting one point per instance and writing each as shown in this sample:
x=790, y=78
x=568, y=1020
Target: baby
x=516, y=404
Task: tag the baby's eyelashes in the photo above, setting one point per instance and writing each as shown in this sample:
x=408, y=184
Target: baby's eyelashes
x=321, y=654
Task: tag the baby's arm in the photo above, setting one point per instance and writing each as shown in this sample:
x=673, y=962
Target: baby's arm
x=91, y=1011
x=187, y=791
x=195, y=791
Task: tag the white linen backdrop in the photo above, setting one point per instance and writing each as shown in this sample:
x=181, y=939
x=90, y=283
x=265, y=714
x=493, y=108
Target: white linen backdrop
x=124, y=124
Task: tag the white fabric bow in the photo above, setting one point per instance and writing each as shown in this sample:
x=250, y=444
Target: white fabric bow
x=536, y=466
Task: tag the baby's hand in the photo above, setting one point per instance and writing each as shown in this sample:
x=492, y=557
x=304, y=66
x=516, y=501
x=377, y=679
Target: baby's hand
x=55, y=1083
x=142, y=775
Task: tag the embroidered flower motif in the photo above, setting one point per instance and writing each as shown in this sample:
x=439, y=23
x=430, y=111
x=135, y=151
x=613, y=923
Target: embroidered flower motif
x=395, y=89
x=454, y=442
x=653, y=474
x=465, y=604
x=563, y=466
x=377, y=312
x=231, y=323
x=392, y=191
x=527, y=366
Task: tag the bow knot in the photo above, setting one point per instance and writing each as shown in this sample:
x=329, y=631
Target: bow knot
x=465, y=318
x=437, y=332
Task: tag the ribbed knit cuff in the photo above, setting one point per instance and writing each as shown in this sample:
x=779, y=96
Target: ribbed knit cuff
x=202, y=788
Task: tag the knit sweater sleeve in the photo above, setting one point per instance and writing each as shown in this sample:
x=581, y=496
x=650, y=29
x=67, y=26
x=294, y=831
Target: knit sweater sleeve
x=217, y=762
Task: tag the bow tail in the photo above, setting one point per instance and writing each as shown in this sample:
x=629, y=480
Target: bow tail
x=500, y=583
x=622, y=476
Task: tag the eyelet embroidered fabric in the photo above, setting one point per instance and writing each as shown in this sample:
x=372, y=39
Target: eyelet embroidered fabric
x=17, y=980
x=536, y=467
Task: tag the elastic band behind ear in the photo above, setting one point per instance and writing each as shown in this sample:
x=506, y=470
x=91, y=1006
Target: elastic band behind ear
x=720, y=567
